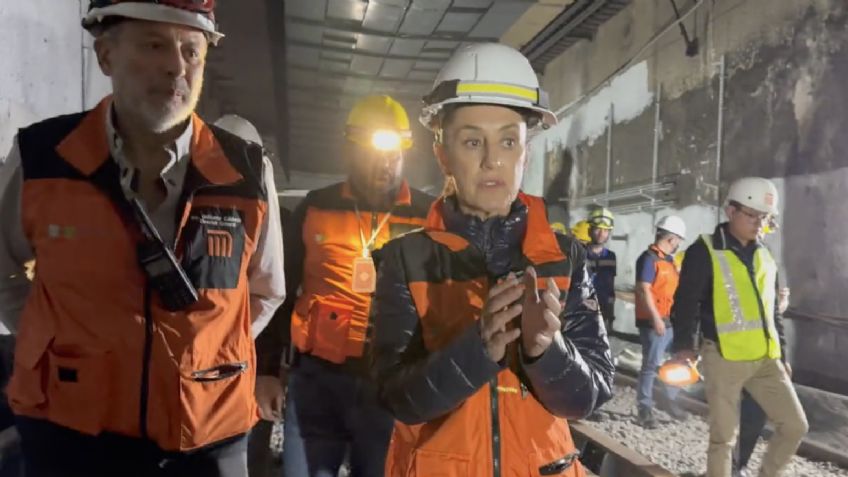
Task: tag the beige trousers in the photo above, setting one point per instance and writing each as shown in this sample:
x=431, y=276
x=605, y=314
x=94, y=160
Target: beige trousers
x=769, y=384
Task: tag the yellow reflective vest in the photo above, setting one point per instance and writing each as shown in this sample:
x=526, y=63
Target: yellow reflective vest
x=743, y=304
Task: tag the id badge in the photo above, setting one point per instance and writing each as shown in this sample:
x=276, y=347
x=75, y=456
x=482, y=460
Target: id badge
x=364, y=275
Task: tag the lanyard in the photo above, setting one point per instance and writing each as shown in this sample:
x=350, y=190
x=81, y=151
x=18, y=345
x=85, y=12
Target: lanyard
x=367, y=245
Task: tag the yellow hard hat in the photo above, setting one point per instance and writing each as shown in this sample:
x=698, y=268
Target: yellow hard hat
x=602, y=219
x=680, y=374
x=559, y=227
x=379, y=122
x=581, y=231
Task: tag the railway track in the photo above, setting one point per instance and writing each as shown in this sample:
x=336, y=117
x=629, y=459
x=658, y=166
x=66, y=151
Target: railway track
x=604, y=456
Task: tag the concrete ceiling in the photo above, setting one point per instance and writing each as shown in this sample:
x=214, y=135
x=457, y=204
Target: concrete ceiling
x=341, y=50
x=296, y=67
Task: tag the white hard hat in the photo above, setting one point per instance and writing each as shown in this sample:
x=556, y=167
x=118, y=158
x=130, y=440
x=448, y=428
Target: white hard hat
x=487, y=73
x=755, y=192
x=673, y=224
x=239, y=126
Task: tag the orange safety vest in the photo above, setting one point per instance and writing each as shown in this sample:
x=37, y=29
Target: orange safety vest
x=96, y=352
x=501, y=430
x=663, y=288
x=330, y=320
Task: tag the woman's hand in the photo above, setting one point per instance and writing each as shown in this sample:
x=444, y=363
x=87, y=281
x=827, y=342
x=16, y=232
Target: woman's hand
x=540, y=321
x=500, y=309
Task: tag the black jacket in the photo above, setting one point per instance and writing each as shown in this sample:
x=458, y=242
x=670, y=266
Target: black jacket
x=571, y=379
x=693, y=301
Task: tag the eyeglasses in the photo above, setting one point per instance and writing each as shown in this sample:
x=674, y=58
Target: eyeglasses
x=196, y=6
x=754, y=216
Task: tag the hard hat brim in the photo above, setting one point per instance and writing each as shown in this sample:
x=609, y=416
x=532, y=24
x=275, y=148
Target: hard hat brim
x=155, y=13
x=672, y=232
x=430, y=112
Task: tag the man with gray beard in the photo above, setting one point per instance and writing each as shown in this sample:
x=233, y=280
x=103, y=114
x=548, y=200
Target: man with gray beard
x=158, y=257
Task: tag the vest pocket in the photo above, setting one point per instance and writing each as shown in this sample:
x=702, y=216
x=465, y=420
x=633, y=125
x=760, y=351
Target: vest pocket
x=440, y=464
x=565, y=466
x=331, y=322
x=221, y=401
x=78, y=389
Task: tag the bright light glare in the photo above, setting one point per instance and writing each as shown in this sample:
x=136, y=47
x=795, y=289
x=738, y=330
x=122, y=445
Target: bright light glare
x=384, y=140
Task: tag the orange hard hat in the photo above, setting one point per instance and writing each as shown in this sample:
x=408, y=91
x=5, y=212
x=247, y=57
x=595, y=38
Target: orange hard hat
x=679, y=373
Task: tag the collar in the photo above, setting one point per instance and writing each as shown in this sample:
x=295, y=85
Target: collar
x=87, y=147
x=505, y=231
x=724, y=240
x=538, y=243
x=662, y=255
x=403, y=196
x=181, y=148
x=603, y=253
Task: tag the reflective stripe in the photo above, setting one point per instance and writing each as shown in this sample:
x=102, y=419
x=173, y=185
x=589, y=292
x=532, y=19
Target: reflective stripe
x=739, y=323
x=499, y=89
x=743, y=304
x=735, y=326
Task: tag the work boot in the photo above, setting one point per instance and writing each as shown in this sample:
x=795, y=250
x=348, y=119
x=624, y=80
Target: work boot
x=646, y=419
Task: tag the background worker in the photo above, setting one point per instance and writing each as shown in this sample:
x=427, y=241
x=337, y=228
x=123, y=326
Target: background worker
x=656, y=282
x=580, y=231
x=322, y=332
x=602, y=262
x=729, y=283
x=258, y=447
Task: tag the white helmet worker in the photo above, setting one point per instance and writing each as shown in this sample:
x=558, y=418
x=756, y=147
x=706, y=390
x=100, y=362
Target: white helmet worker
x=756, y=193
x=487, y=73
x=673, y=224
x=235, y=124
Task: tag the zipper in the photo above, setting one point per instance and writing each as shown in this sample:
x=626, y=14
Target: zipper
x=145, y=364
x=184, y=207
x=496, y=428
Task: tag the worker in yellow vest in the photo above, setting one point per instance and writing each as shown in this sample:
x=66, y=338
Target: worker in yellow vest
x=729, y=281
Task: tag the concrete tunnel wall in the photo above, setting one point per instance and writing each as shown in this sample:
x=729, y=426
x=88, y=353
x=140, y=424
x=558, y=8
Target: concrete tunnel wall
x=784, y=112
x=47, y=67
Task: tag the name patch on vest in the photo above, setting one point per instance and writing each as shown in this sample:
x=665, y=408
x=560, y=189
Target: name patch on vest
x=214, y=244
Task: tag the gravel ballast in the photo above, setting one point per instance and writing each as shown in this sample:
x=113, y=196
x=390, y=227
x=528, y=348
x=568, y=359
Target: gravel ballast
x=681, y=447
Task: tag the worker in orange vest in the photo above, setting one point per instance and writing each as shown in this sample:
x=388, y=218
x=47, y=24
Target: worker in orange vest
x=482, y=368
x=656, y=281
x=321, y=333
x=159, y=256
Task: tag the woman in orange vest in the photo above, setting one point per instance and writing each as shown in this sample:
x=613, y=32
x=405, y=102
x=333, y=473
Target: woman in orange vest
x=480, y=366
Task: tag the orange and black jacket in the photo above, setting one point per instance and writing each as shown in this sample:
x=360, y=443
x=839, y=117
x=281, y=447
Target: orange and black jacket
x=458, y=412
x=322, y=316
x=96, y=351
